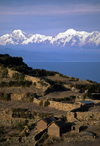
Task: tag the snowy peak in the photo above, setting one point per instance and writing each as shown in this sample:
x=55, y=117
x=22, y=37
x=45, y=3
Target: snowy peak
x=18, y=34
x=69, y=38
x=18, y=31
x=70, y=31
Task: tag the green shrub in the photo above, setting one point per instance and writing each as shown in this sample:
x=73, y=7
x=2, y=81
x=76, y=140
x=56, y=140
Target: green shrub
x=34, y=83
x=31, y=99
x=92, y=88
x=64, y=118
x=29, y=96
x=84, y=97
x=41, y=115
x=26, y=122
x=59, y=82
x=72, y=78
x=2, y=139
x=89, y=95
x=20, y=125
x=1, y=94
x=73, y=97
x=61, y=75
x=43, y=84
x=90, y=81
x=46, y=103
x=41, y=103
x=77, y=79
x=7, y=97
x=64, y=99
x=4, y=73
x=92, y=116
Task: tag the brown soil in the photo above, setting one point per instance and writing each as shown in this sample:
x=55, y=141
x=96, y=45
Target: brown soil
x=18, y=90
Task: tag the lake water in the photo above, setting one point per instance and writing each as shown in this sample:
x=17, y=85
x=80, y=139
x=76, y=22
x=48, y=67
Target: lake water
x=82, y=70
x=80, y=65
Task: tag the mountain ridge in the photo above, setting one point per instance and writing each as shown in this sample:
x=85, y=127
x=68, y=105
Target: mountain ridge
x=70, y=38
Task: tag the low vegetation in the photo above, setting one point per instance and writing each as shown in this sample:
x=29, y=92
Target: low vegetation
x=92, y=88
x=20, y=125
x=5, y=96
x=46, y=103
x=64, y=118
x=61, y=75
x=42, y=115
x=21, y=113
x=15, y=84
x=8, y=60
x=41, y=103
x=4, y=72
x=64, y=99
x=43, y=84
x=29, y=96
x=18, y=76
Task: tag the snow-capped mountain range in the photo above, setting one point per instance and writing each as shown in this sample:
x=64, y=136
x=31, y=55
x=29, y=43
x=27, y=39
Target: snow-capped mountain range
x=69, y=38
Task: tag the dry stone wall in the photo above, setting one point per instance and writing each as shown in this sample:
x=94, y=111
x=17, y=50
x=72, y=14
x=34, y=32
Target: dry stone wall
x=83, y=116
x=6, y=118
x=59, y=105
x=63, y=106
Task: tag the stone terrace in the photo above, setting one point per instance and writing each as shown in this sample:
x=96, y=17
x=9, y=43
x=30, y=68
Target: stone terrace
x=31, y=106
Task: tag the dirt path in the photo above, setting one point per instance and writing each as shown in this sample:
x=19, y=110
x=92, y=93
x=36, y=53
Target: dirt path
x=31, y=106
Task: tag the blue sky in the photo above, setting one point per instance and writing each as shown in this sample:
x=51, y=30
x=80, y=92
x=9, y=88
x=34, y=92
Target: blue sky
x=49, y=17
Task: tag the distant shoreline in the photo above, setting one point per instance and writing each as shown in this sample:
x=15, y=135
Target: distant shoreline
x=82, y=70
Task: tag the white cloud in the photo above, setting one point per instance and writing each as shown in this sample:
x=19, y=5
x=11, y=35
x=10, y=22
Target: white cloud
x=49, y=10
